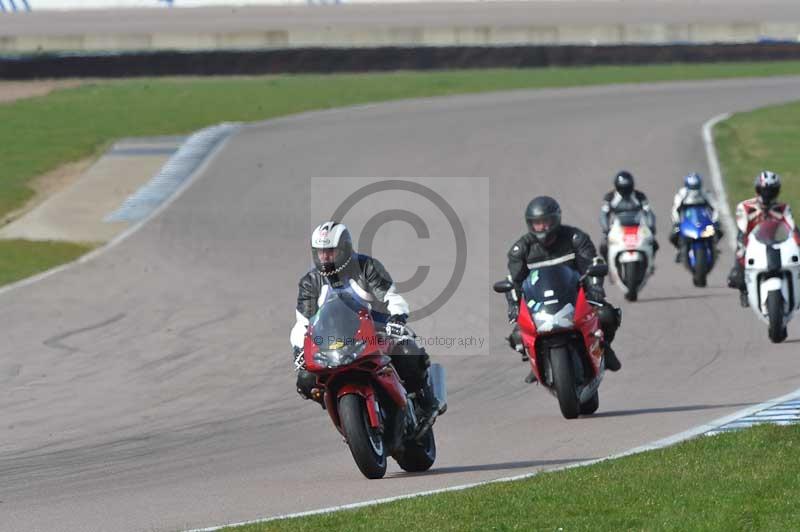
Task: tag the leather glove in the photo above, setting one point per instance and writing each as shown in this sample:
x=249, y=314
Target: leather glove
x=513, y=313
x=299, y=359
x=397, y=325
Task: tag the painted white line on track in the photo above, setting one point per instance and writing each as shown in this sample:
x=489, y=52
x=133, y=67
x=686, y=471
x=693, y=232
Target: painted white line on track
x=741, y=419
x=195, y=172
x=716, y=178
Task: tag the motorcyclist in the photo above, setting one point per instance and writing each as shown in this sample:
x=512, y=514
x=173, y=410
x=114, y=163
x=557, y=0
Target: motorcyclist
x=750, y=213
x=624, y=198
x=691, y=194
x=548, y=241
x=337, y=266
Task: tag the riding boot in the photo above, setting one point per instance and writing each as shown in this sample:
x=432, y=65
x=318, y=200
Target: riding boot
x=612, y=362
x=743, y=301
x=427, y=400
x=515, y=342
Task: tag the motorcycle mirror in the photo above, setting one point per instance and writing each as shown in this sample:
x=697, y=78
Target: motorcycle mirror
x=503, y=286
x=597, y=270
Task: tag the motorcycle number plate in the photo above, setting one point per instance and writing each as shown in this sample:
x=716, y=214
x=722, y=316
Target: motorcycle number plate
x=629, y=256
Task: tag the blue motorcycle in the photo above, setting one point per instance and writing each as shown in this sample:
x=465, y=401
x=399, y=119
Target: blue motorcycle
x=698, y=235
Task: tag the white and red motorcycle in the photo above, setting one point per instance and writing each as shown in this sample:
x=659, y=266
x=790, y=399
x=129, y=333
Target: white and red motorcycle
x=772, y=275
x=630, y=252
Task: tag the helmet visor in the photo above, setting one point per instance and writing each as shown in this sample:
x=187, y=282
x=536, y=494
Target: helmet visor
x=541, y=225
x=768, y=193
x=326, y=255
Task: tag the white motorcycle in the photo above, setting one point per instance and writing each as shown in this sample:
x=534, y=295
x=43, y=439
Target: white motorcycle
x=772, y=275
x=630, y=252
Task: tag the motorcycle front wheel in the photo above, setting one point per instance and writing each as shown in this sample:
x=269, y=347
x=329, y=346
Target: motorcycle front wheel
x=700, y=267
x=777, y=332
x=564, y=377
x=366, y=444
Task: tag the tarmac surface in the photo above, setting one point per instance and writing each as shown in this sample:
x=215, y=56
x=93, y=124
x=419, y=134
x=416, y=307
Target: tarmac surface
x=411, y=15
x=151, y=388
x=402, y=24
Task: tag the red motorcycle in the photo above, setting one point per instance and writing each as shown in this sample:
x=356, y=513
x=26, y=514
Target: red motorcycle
x=561, y=335
x=362, y=391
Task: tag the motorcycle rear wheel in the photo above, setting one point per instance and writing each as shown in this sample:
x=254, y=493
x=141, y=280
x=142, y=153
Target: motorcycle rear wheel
x=366, y=444
x=417, y=457
x=591, y=406
x=777, y=332
x=564, y=382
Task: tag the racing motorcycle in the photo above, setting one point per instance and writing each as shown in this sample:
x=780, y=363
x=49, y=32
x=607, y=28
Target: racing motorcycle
x=630, y=252
x=698, y=241
x=561, y=335
x=772, y=275
x=366, y=400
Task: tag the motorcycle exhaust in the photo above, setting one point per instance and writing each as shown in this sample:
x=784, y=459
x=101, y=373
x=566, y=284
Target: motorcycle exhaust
x=436, y=378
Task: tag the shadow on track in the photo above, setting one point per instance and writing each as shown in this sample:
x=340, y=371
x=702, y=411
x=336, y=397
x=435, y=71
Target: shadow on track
x=502, y=466
x=662, y=410
x=711, y=295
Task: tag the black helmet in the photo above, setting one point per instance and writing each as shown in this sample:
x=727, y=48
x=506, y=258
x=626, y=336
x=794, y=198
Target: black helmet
x=768, y=186
x=623, y=183
x=331, y=247
x=543, y=218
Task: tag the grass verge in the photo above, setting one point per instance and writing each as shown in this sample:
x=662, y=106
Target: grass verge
x=23, y=258
x=745, y=480
x=765, y=138
x=40, y=134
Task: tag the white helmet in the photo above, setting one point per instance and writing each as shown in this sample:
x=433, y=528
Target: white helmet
x=768, y=186
x=331, y=247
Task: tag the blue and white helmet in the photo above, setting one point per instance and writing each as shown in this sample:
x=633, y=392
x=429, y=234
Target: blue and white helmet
x=693, y=181
x=331, y=247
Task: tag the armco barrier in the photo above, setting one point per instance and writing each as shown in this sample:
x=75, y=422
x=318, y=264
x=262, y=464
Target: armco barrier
x=326, y=60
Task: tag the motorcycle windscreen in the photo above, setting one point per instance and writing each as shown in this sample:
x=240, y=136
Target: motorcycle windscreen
x=335, y=329
x=550, y=294
x=772, y=232
x=696, y=222
x=629, y=218
x=696, y=215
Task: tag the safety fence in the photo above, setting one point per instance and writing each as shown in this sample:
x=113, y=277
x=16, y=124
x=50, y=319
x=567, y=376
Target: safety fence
x=323, y=60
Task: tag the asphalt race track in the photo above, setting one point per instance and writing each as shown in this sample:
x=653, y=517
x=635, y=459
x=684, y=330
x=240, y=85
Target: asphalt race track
x=410, y=15
x=151, y=388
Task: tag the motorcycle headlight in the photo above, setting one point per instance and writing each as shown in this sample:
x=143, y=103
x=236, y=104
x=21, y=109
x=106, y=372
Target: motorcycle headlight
x=332, y=358
x=708, y=232
x=547, y=322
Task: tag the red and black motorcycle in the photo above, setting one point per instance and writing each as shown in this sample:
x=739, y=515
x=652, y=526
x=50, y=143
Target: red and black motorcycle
x=362, y=391
x=561, y=335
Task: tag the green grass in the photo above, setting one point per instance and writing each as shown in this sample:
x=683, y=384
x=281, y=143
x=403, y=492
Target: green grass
x=767, y=138
x=747, y=480
x=40, y=134
x=22, y=258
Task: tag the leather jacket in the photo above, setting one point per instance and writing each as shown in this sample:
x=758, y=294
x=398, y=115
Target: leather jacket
x=365, y=275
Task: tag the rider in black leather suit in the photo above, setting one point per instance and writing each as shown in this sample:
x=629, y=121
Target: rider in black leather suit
x=549, y=242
